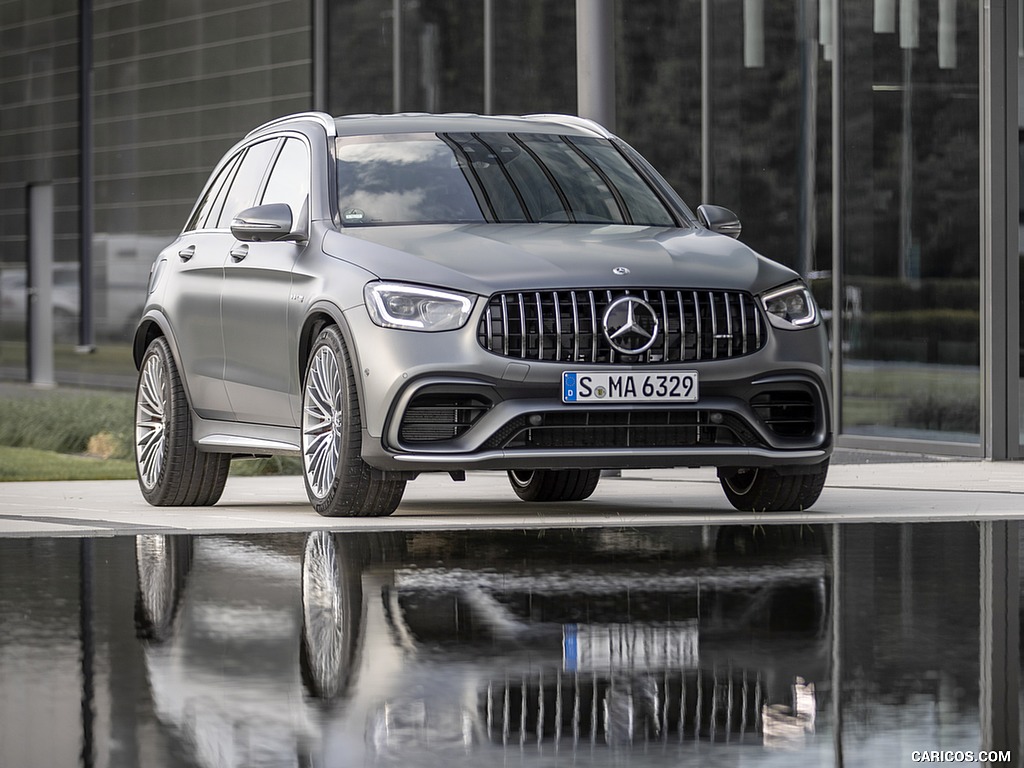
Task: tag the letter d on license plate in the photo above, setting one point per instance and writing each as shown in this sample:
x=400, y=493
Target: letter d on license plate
x=622, y=387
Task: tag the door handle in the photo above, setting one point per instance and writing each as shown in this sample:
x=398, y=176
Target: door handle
x=187, y=253
x=239, y=252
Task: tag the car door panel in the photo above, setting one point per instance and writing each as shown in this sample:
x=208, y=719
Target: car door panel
x=194, y=307
x=259, y=372
x=260, y=369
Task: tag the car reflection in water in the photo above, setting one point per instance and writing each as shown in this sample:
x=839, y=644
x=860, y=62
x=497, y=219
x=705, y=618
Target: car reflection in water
x=610, y=647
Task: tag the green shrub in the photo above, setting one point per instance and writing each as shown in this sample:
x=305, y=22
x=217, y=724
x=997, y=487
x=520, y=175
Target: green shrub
x=98, y=424
x=66, y=421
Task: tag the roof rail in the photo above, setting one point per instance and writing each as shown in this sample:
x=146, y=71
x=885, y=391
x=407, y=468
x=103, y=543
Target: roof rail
x=574, y=121
x=322, y=118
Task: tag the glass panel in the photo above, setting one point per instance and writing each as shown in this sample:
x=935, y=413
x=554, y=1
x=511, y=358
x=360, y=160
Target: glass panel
x=911, y=342
x=1020, y=294
x=507, y=177
x=525, y=176
x=588, y=197
x=289, y=181
x=642, y=205
x=402, y=182
x=770, y=125
x=213, y=199
x=441, y=52
x=246, y=182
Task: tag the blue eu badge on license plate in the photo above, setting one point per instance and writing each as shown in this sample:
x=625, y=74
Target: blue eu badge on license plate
x=569, y=388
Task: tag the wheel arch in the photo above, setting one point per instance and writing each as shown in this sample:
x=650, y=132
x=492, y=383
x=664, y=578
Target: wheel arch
x=322, y=314
x=153, y=325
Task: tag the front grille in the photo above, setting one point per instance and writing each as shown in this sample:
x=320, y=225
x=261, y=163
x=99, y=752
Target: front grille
x=567, y=326
x=624, y=429
x=555, y=706
x=437, y=417
x=787, y=413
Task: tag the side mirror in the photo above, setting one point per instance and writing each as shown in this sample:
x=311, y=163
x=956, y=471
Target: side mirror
x=720, y=220
x=265, y=224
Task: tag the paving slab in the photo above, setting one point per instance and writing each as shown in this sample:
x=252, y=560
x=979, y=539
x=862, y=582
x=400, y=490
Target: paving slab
x=896, y=492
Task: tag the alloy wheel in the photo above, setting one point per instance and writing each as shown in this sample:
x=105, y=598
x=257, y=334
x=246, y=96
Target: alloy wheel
x=322, y=413
x=324, y=614
x=151, y=421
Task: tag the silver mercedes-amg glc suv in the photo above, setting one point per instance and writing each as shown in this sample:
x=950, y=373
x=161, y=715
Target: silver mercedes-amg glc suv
x=385, y=295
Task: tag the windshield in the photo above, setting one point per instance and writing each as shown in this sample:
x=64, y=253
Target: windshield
x=491, y=177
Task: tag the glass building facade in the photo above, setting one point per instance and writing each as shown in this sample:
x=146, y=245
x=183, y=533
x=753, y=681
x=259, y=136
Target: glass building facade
x=861, y=143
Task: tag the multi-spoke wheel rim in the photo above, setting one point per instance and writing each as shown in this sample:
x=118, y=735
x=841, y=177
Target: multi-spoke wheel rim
x=151, y=421
x=322, y=414
x=323, y=613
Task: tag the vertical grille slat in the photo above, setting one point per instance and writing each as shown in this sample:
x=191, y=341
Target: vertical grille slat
x=567, y=326
x=558, y=327
x=540, y=327
x=575, y=327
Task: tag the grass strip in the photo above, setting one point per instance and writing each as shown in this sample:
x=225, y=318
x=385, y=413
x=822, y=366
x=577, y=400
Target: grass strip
x=29, y=464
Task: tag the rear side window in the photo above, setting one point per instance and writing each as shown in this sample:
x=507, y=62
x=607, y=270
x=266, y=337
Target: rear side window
x=214, y=192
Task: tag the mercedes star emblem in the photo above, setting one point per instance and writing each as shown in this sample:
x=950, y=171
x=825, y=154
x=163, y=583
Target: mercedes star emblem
x=620, y=271
x=630, y=325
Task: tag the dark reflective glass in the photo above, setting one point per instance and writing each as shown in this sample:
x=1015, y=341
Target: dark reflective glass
x=289, y=179
x=796, y=645
x=911, y=253
x=498, y=177
x=246, y=183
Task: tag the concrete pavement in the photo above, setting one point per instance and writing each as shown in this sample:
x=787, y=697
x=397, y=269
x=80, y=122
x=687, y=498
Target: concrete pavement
x=877, y=492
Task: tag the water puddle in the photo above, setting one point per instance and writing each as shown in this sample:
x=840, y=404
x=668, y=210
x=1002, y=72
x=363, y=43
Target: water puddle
x=702, y=646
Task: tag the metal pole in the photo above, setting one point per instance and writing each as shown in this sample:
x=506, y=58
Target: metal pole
x=838, y=216
x=396, y=55
x=1000, y=266
x=808, y=23
x=488, y=57
x=320, y=68
x=86, y=331
x=595, y=61
x=838, y=606
x=86, y=561
x=1000, y=639
x=40, y=285
x=706, y=143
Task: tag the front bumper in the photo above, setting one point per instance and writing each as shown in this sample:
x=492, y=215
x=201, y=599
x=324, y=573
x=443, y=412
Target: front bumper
x=440, y=402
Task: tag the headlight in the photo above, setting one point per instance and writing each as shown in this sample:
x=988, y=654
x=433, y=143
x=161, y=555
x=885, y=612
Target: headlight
x=413, y=308
x=791, y=307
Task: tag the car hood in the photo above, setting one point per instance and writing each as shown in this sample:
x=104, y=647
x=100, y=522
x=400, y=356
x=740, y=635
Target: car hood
x=489, y=258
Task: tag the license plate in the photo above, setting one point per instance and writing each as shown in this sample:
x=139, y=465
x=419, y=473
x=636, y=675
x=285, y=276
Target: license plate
x=646, y=387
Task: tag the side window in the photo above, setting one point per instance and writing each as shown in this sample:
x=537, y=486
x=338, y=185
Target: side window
x=214, y=192
x=246, y=182
x=289, y=181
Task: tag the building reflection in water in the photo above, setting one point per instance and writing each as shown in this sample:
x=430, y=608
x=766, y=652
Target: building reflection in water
x=713, y=645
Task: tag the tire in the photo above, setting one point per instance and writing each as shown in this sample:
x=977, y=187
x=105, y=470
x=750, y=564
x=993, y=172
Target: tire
x=162, y=564
x=758, y=489
x=332, y=600
x=554, y=484
x=338, y=482
x=172, y=471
